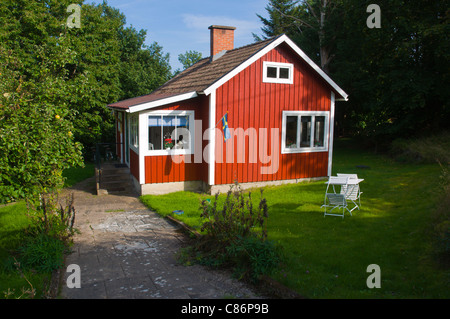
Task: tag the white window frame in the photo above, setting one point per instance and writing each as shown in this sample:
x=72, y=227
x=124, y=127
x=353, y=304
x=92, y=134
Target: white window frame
x=278, y=65
x=133, y=126
x=190, y=150
x=299, y=114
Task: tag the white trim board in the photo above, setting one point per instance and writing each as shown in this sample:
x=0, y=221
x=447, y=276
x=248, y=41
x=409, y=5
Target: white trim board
x=161, y=102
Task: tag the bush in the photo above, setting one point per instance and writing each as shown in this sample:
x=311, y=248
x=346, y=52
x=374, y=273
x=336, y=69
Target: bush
x=423, y=150
x=253, y=258
x=236, y=236
x=42, y=253
x=236, y=218
x=52, y=220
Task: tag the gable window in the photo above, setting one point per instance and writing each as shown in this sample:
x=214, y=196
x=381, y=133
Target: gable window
x=275, y=72
x=169, y=132
x=304, y=131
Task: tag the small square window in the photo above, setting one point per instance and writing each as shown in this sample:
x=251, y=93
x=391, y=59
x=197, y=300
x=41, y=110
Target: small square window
x=276, y=72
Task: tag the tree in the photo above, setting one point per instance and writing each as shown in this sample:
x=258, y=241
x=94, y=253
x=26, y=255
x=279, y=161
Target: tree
x=307, y=22
x=55, y=83
x=36, y=139
x=189, y=58
x=143, y=67
x=110, y=62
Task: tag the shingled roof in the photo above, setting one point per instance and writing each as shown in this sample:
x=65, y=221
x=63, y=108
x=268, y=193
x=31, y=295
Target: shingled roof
x=199, y=76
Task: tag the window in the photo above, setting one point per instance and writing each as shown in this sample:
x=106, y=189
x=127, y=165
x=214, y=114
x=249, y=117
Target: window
x=275, y=72
x=304, y=131
x=169, y=132
x=134, y=133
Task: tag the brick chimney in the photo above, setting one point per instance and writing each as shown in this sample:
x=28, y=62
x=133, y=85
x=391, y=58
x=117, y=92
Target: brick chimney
x=222, y=38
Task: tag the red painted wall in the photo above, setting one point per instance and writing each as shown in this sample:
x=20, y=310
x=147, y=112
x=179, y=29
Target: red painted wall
x=134, y=164
x=252, y=103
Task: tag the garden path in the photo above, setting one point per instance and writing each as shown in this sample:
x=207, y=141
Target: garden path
x=124, y=250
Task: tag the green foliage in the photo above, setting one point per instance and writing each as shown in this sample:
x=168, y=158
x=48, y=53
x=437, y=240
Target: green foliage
x=36, y=128
x=189, y=58
x=143, y=67
x=55, y=83
x=42, y=253
x=54, y=221
x=253, y=258
x=427, y=149
x=108, y=62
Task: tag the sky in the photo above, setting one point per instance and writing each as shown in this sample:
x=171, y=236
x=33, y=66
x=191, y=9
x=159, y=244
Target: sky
x=182, y=25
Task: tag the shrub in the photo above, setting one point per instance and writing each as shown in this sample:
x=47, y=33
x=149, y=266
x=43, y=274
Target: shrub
x=253, y=258
x=52, y=220
x=236, y=218
x=423, y=150
x=235, y=235
x=42, y=253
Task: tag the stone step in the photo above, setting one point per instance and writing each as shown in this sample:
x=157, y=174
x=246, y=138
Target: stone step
x=115, y=179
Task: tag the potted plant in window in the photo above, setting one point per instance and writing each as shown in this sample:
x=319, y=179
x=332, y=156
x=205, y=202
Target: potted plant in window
x=290, y=144
x=168, y=142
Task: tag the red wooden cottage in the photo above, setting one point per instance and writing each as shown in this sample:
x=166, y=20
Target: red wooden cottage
x=279, y=107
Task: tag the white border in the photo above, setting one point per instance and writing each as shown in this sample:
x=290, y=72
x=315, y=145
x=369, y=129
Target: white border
x=330, y=150
x=313, y=149
x=131, y=146
x=161, y=102
x=278, y=65
x=212, y=138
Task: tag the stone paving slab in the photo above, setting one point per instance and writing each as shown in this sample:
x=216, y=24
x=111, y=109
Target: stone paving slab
x=125, y=251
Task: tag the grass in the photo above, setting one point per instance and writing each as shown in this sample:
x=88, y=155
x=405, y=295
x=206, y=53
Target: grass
x=327, y=257
x=13, y=225
x=74, y=175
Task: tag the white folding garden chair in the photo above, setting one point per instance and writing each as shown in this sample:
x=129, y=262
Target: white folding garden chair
x=352, y=190
x=333, y=198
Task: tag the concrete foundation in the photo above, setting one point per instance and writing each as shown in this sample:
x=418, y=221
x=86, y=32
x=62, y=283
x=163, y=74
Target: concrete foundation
x=200, y=186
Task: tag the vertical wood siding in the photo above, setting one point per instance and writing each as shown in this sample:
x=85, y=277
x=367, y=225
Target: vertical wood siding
x=134, y=164
x=253, y=104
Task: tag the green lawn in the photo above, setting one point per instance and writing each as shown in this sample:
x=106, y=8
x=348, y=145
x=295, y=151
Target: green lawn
x=74, y=175
x=13, y=223
x=327, y=257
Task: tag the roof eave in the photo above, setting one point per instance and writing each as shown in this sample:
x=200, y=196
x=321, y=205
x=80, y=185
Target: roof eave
x=164, y=101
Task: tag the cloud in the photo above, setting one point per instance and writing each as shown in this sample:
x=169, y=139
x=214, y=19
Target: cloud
x=200, y=23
